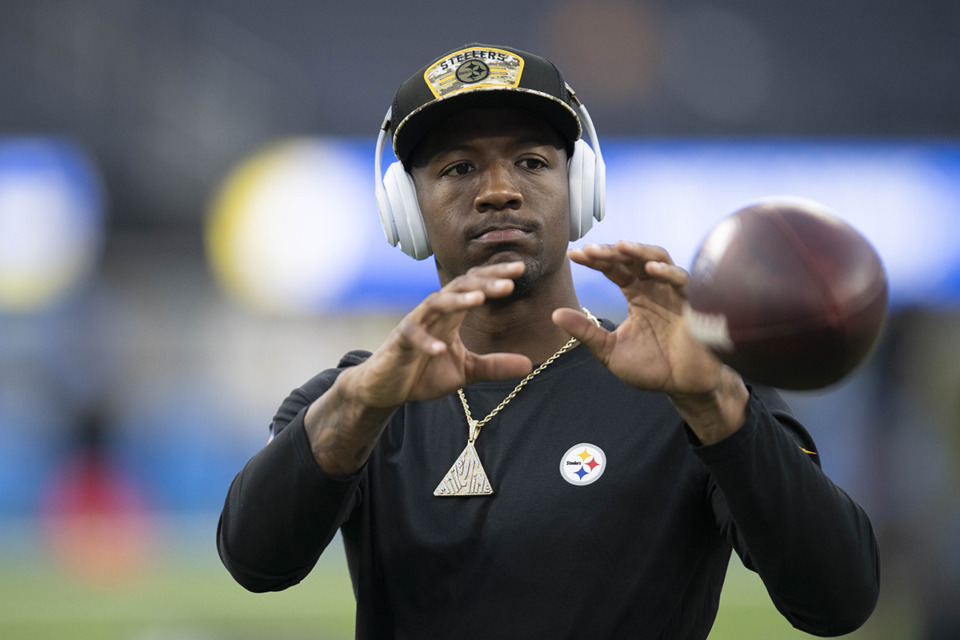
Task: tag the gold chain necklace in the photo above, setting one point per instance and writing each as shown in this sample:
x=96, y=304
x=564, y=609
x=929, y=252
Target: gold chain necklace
x=466, y=477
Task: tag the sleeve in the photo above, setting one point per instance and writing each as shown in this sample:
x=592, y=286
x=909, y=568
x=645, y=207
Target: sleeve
x=812, y=545
x=281, y=510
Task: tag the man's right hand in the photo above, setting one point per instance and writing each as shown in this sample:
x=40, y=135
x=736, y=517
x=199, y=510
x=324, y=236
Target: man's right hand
x=422, y=359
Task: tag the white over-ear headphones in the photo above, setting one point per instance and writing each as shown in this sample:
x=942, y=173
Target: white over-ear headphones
x=400, y=210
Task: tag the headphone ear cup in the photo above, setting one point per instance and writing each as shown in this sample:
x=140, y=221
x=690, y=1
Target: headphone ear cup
x=405, y=212
x=581, y=169
x=387, y=219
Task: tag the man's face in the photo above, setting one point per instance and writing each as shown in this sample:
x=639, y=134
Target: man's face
x=492, y=186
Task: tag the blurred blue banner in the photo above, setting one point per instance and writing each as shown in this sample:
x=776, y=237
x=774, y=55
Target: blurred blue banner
x=302, y=222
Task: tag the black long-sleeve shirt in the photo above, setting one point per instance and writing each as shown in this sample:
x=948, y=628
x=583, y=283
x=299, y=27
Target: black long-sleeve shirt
x=641, y=552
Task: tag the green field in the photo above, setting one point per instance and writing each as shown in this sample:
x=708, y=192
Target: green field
x=185, y=594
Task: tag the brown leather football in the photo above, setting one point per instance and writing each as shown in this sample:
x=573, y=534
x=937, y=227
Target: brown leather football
x=788, y=294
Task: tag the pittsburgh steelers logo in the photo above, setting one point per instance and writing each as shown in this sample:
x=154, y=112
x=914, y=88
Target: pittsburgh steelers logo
x=583, y=464
x=472, y=71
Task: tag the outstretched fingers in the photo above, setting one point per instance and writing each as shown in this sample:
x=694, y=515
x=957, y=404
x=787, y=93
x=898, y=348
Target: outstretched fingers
x=436, y=321
x=599, y=257
x=654, y=261
x=418, y=338
x=626, y=263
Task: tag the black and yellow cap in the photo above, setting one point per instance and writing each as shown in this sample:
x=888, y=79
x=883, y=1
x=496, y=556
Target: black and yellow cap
x=476, y=75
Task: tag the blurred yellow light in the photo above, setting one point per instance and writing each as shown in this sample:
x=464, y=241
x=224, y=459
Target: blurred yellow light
x=285, y=234
x=51, y=221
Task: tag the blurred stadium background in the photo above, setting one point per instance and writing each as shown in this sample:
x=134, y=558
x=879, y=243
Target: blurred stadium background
x=188, y=231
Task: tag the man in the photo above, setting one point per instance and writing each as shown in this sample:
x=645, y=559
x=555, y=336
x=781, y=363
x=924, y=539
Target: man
x=601, y=492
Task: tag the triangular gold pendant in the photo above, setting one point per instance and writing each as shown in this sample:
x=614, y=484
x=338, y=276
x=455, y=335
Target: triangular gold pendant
x=466, y=477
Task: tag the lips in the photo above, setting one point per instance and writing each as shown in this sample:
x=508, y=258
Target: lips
x=502, y=235
x=510, y=232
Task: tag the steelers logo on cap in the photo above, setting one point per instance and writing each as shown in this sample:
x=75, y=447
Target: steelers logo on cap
x=472, y=71
x=474, y=68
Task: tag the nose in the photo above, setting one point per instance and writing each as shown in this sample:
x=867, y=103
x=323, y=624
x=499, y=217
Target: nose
x=497, y=190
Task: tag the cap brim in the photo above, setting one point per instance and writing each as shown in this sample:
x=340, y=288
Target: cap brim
x=409, y=132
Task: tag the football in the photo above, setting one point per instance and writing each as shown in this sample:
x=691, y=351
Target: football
x=787, y=293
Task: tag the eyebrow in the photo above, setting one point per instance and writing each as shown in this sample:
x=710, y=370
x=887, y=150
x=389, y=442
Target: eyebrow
x=538, y=141
x=465, y=147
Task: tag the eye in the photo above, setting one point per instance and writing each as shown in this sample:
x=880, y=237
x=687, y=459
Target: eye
x=532, y=163
x=458, y=169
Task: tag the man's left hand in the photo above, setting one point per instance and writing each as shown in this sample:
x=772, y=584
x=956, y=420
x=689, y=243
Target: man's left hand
x=652, y=348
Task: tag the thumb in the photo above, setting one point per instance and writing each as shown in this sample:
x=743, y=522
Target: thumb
x=499, y=366
x=582, y=328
